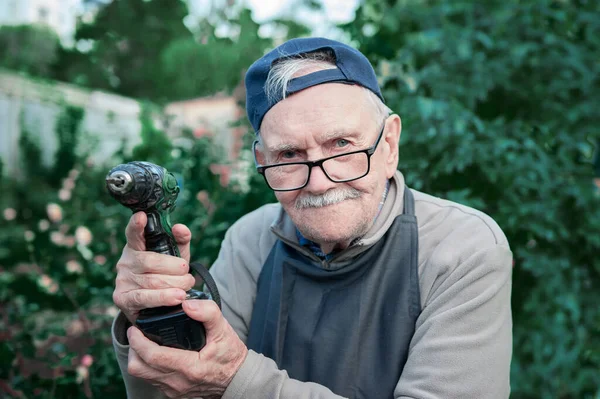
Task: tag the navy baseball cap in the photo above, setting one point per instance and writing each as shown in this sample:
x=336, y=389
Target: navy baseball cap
x=352, y=68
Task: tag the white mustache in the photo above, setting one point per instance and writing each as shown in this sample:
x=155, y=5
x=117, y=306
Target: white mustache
x=328, y=198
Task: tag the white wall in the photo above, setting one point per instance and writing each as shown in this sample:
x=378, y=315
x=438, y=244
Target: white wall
x=34, y=105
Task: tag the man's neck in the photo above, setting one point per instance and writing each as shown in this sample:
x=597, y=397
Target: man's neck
x=330, y=247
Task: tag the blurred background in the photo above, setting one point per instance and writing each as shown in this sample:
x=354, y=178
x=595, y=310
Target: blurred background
x=500, y=107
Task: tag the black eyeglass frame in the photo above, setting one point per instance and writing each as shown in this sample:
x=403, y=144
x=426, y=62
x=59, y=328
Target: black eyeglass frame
x=311, y=164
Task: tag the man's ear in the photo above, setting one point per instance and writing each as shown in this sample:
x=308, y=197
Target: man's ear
x=391, y=136
x=259, y=155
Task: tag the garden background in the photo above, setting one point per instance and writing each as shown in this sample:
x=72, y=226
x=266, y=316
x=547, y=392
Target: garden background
x=500, y=107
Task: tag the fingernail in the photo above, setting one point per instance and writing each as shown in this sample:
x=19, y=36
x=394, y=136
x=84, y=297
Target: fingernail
x=129, y=332
x=194, y=304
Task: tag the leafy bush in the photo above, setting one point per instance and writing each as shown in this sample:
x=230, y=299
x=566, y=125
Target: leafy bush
x=31, y=49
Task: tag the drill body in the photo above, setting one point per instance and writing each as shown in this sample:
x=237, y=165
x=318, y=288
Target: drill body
x=146, y=187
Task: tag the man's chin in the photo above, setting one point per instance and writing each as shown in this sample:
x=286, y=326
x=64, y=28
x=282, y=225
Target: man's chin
x=315, y=231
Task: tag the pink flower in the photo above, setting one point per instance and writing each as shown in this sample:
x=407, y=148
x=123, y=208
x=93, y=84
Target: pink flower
x=83, y=236
x=76, y=327
x=57, y=238
x=68, y=184
x=112, y=311
x=201, y=132
x=69, y=241
x=43, y=225
x=53, y=289
x=202, y=197
x=45, y=280
x=224, y=172
x=87, y=360
x=48, y=284
x=29, y=235
x=10, y=214
x=82, y=374
x=214, y=168
x=100, y=259
x=54, y=212
x=73, y=174
x=64, y=194
x=225, y=176
x=74, y=267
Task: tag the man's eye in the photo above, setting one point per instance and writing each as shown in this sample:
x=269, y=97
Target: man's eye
x=342, y=143
x=288, y=154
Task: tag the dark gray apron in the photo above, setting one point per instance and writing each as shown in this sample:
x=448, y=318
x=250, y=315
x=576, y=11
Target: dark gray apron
x=347, y=329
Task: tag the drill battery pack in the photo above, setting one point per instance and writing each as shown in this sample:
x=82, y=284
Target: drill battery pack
x=171, y=326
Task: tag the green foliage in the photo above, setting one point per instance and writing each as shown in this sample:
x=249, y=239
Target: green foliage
x=187, y=61
x=499, y=101
x=155, y=146
x=127, y=39
x=57, y=271
x=67, y=131
x=31, y=154
x=142, y=49
x=28, y=48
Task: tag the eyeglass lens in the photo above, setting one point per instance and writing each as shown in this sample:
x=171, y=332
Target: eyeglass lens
x=338, y=169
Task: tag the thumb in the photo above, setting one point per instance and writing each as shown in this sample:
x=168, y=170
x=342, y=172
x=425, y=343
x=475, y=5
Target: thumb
x=183, y=236
x=134, y=232
x=208, y=313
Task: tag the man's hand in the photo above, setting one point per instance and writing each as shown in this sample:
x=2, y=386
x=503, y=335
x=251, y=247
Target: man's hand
x=148, y=279
x=182, y=373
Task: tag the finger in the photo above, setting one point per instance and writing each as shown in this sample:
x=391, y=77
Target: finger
x=155, y=263
x=134, y=232
x=161, y=358
x=183, y=236
x=160, y=281
x=137, y=367
x=142, y=299
x=208, y=313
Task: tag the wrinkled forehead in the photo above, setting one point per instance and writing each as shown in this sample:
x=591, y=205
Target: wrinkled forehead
x=319, y=111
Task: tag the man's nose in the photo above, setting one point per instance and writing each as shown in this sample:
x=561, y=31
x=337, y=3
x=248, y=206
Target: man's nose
x=318, y=182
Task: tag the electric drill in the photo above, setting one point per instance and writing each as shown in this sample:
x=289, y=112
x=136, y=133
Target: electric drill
x=146, y=187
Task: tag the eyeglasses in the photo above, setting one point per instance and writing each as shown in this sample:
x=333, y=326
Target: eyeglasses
x=340, y=168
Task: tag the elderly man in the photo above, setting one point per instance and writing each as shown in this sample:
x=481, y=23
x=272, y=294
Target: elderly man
x=353, y=285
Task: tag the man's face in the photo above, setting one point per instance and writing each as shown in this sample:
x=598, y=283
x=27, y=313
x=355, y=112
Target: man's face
x=319, y=122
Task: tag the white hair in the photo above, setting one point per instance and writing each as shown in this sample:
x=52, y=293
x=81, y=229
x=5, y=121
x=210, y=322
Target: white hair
x=329, y=197
x=288, y=68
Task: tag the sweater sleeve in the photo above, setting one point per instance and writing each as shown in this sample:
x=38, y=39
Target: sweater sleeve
x=259, y=377
x=462, y=344
x=135, y=387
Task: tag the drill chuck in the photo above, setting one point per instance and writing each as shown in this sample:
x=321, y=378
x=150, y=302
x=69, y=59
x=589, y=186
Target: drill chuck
x=143, y=186
x=119, y=182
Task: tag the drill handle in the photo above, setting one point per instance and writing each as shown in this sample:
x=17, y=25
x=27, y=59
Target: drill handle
x=158, y=237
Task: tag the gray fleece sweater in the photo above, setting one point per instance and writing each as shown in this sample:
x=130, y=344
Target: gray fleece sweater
x=462, y=344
